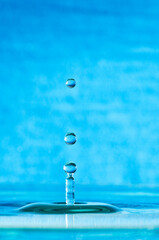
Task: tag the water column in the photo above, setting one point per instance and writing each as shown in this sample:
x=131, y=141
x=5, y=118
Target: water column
x=70, y=167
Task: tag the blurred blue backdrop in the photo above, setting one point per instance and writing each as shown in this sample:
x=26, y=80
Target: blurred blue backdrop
x=111, y=48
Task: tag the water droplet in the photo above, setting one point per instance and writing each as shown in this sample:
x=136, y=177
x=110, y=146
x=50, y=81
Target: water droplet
x=70, y=138
x=71, y=83
x=70, y=167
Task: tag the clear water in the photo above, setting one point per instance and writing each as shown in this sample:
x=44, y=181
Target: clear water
x=138, y=220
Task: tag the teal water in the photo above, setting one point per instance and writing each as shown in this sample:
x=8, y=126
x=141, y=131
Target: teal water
x=80, y=235
x=139, y=218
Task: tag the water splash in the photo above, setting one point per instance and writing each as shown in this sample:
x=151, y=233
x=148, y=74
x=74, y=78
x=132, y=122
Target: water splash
x=70, y=206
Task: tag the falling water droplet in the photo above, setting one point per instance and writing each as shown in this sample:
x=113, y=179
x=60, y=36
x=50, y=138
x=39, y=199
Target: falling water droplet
x=70, y=138
x=71, y=83
x=70, y=167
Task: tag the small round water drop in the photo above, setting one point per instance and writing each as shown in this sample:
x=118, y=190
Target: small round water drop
x=71, y=83
x=70, y=138
x=70, y=167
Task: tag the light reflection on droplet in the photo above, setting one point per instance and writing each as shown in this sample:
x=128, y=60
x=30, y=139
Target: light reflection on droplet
x=70, y=167
x=70, y=138
x=71, y=83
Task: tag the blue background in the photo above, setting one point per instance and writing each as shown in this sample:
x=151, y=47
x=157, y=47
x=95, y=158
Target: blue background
x=111, y=48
